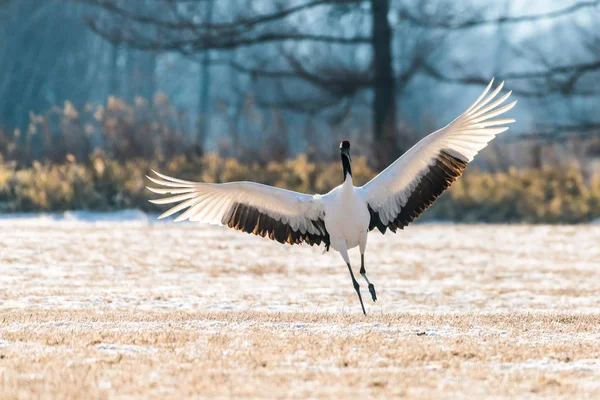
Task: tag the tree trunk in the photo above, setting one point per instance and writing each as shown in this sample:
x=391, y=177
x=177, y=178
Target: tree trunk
x=235, y=109
x=131, y=83
x=386, y=144
x=204, y=106
x=149, y=76
x=114, y=70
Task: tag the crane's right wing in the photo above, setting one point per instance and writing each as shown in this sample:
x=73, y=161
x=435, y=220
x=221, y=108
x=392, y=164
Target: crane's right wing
x=279, y=214
x=413, y=182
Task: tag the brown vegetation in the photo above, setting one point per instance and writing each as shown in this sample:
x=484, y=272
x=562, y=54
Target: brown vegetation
x=123, y=131
x=547, y=194
x=280, y=355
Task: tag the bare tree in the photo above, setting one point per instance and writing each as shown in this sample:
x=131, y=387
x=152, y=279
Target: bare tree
x=288, y=43
x=568, y=71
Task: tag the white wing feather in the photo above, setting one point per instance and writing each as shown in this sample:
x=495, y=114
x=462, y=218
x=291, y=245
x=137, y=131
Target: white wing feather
x=463, y=138
x=211, y=202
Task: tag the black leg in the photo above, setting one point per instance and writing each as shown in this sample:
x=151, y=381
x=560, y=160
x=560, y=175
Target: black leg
x=357, y=288
x=363, y=272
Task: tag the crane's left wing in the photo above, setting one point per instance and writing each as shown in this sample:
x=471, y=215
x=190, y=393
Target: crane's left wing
x=279, y=214
x=412, y=183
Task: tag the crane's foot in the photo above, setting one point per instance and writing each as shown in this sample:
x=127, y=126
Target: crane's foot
x=372, y=291
x=363, y=272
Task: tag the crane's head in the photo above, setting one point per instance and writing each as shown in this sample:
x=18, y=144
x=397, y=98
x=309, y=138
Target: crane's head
x=345, y=149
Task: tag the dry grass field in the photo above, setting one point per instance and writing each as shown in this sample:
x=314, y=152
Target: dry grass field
x=133, y=309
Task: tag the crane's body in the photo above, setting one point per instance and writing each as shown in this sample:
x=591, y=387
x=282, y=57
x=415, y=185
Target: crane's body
x=343, y=218
x=346, y=217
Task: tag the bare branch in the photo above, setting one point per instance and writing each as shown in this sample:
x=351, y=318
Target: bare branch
x=567, y=86
x=557, y=133
x=214, y=42
x=406, y=15
x=338, y=82
x=199, y=36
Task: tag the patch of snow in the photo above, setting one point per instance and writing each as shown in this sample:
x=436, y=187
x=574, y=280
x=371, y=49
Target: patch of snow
x=124, y=260
x=123, y=215
x=587, y=365
x=124, y=349
x=78, y=216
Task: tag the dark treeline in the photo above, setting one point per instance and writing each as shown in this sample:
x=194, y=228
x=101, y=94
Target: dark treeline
x=267, y=79
x=49, y=56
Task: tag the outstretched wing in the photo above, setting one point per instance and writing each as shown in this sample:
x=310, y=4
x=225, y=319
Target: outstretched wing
x=412, y=183
x=281, y=215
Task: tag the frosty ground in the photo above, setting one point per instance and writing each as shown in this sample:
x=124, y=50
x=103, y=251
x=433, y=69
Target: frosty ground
x=120, y=306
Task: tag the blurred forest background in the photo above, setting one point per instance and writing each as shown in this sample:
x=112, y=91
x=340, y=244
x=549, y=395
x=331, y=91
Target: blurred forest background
x=94, y=93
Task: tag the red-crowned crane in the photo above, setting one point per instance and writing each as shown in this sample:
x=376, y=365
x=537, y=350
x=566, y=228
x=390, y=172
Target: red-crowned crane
x=343, y=217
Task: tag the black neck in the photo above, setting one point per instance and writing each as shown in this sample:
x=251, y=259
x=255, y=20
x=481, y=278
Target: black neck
x=346, y=165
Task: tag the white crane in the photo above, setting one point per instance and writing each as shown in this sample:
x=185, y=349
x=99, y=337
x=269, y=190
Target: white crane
x=343, y=217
